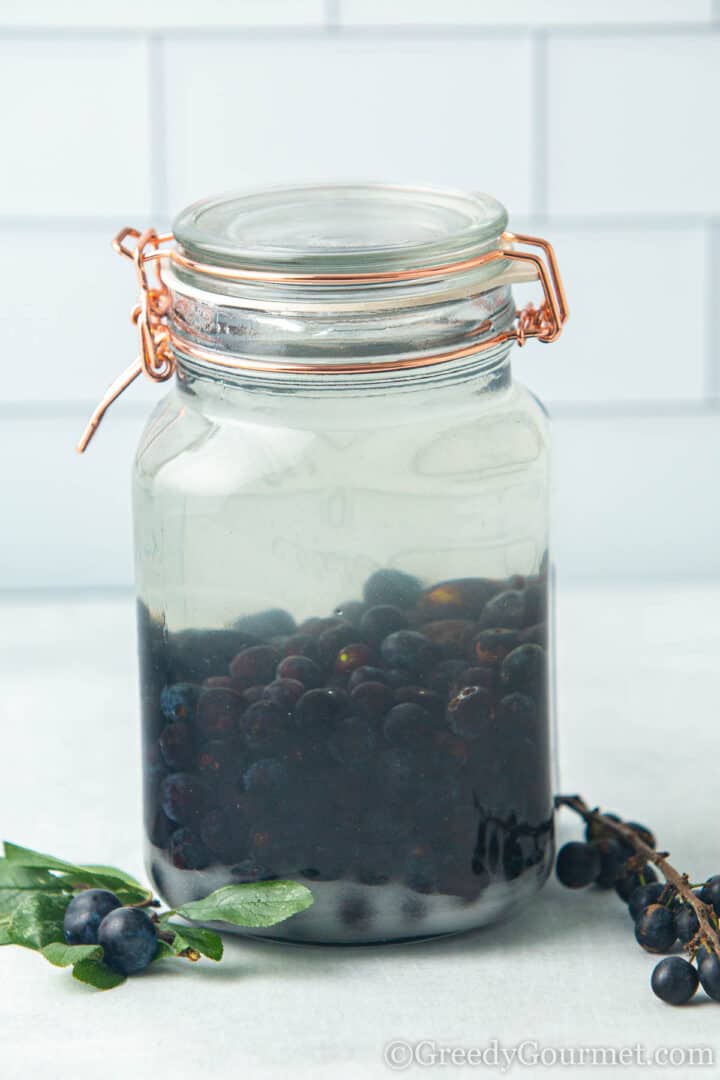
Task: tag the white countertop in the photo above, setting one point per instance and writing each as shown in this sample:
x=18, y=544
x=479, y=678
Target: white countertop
x=639, y=690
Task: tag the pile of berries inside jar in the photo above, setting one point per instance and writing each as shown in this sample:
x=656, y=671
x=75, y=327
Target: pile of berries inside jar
x=400, y=741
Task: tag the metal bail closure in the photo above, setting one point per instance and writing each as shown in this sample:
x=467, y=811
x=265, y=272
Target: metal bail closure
x=157, y=361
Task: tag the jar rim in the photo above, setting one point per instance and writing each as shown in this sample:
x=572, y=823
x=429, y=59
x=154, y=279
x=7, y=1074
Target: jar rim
x=340, y=228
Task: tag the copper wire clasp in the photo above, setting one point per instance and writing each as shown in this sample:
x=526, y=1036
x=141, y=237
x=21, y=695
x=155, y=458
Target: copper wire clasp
x=155, y=359
x=546, y=322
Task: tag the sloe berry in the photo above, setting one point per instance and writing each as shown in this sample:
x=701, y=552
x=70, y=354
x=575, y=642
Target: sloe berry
x=84, y=914
x=128, y=939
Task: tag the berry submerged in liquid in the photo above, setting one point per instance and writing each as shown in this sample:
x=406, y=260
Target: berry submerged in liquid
x=396, y=741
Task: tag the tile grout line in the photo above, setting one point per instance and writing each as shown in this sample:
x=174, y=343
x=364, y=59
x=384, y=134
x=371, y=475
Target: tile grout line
x=712, y=292
x=445, y=31
x=540, y=120
x=157, y=114
x=632, y=222
x=332, y=15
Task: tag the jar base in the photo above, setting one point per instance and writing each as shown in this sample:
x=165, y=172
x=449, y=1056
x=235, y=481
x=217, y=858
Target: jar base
x=346, y=913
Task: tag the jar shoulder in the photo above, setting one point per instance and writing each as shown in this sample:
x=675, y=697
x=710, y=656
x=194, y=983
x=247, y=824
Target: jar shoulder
x=326, y=440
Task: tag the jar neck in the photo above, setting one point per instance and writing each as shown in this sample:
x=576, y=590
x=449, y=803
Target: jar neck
x=345, y=401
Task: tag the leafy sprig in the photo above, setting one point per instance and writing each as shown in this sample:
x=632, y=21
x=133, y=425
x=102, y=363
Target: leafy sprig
x=35, y=890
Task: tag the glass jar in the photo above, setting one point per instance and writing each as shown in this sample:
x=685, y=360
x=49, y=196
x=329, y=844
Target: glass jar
x=341, y=513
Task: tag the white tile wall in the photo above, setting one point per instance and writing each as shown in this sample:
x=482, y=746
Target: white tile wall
x=522, y=12
x=637, y=328
x=74, y=127
x=69, y=326
x=258, y=111
x=631, y=125
x=636, y=498
x=66, y=518
x=161, y=14
x=594, y=121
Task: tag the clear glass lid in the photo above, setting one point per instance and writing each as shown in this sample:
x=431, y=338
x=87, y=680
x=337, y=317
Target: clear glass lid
x=340, y=228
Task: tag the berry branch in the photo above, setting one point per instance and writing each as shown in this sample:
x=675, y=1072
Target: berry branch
x=623, y=854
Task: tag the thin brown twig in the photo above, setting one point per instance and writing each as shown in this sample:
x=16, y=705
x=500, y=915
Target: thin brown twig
x=707, y=933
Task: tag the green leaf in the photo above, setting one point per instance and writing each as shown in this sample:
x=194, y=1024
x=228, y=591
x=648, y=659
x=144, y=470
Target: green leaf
x=118, y=875
x=261, y=903
x=126, y=888
x=164, y=952
x=5, y=938
x=206, y=942
x=38, y=919
x=98, y=974
x=27, y=857
x=19, y=881
x=62, y=955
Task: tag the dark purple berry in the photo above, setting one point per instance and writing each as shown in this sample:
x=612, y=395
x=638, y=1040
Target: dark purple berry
x=451, y=636
x=318, y=711
x=709, y=972
x=371, y=700
x=84, y=914
x=577, y=865
x=655, y=929
x=462, y=598
x=353, y=656
x=442, y=677
x=364, y=674
x=393, y=588
x=378, y=622
x=491, y=646
x=470, y=712
x=301, y=645
x=408, y=726
x=255, y=666
x=129, y=940
x=264, y=727
x=300, y=669
x=331, y=641
x=628, y=882
x=248, y=870
x=613, y=856
x=643, y=897
x=285, y=693
x=517, y=712
x=397, y=677
x=710, y=893
x=184, y=797
x=674, y=980
x=686, y=923
x=187, y=851
x=267, y=624
x=474, y=676
x=645, y=834
x=177, y=745
x=409, y=650
x=218, y=711
x=221, y=761
x=351, y=612
x=506, y=610
x=419, y=695
x=524, y=670
x=178, y=702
